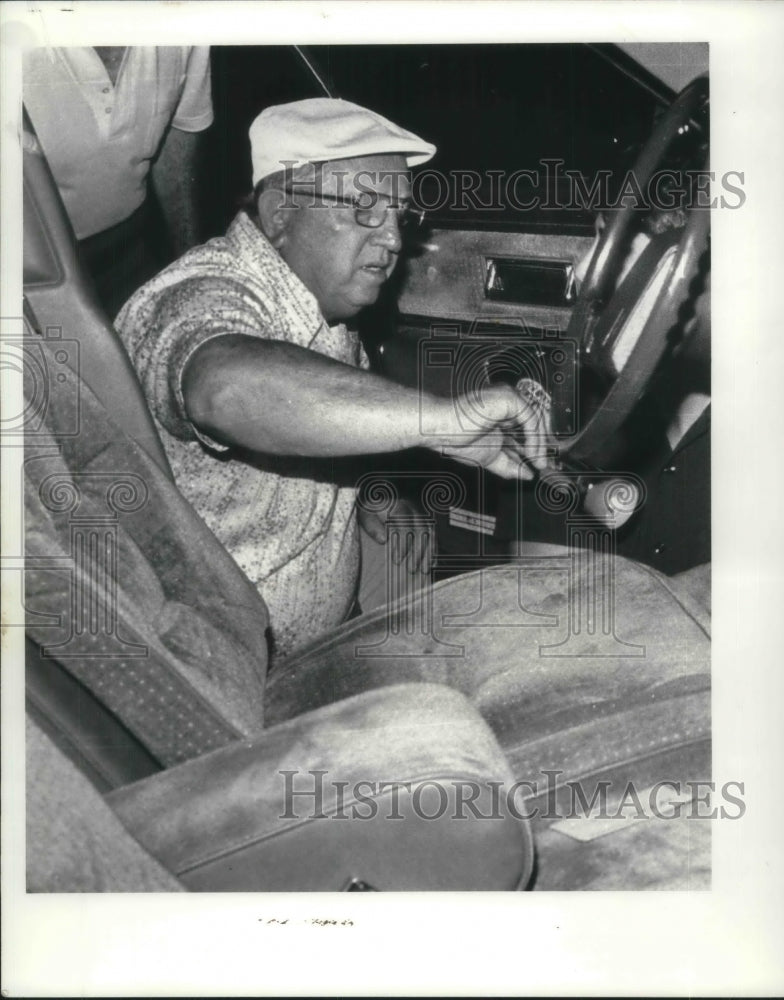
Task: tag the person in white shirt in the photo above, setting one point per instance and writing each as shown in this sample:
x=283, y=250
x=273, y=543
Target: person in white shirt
x=113, y=121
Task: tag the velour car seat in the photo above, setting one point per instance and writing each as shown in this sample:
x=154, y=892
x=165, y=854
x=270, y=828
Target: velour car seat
x=149, y=763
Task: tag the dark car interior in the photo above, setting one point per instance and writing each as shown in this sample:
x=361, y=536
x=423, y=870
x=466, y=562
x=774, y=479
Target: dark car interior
x=148, y=694
x=488, y=289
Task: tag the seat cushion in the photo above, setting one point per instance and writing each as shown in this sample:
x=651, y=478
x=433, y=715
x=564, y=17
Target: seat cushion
x=403, y=788
x=577, y=662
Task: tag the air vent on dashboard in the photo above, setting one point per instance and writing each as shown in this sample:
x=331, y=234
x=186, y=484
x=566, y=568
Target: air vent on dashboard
x=529, y=282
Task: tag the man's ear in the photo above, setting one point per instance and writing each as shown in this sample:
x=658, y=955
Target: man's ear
x=274, y=208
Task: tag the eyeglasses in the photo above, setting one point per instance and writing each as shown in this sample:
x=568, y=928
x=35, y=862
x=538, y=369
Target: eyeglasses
x=407, y=217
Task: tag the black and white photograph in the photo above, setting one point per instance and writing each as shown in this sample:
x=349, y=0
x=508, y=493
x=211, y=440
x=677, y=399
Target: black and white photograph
x=365, y=507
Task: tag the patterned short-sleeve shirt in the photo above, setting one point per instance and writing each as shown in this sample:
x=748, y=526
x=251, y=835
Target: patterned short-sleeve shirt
x=295, y=536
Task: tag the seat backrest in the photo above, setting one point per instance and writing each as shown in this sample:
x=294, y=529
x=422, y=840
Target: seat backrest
x=80, y=726
x=127, y=590
x=60, y=303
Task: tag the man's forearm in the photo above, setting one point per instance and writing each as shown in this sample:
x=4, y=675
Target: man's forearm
x=278, y=398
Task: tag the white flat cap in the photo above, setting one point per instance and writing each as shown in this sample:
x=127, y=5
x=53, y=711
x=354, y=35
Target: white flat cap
x=326, y=128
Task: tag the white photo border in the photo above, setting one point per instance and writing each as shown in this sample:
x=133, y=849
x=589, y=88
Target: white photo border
x=724, y=942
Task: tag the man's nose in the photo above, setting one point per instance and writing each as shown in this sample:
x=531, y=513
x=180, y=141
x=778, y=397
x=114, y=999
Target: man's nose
x=388, y=233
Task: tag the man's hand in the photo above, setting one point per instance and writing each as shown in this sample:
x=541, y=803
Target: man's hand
x=513, y=431
x=414, y=538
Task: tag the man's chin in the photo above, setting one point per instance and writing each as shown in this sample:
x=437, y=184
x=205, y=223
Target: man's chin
x=354, y=298
x=359, y=301
x=343, y=313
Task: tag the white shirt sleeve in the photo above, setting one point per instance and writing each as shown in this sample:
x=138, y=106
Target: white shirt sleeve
x=194, y=111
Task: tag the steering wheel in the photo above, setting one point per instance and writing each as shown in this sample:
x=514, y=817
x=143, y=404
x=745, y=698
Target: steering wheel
x=622, y=333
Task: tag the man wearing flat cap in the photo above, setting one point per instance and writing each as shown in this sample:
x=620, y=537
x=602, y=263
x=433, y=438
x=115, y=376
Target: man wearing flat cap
x=256, y=383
